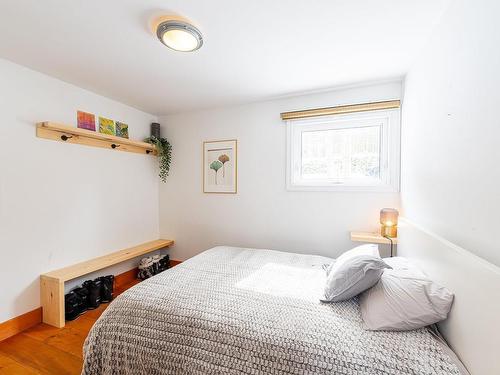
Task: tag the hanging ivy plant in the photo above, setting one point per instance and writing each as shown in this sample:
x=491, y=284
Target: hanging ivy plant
x=164, y=149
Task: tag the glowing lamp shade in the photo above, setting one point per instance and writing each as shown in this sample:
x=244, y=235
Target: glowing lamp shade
x=179, y=35
x=389, y=222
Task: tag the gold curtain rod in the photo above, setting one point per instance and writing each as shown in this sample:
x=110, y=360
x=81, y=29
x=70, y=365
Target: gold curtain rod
x=390, y=104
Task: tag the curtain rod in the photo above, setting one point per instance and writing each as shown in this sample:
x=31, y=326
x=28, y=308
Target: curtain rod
x=389, y=104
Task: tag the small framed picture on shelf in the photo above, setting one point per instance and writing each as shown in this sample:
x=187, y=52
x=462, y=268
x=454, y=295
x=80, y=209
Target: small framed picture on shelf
x=85, y=120
x=106, y=126
x=121, y=129
x=220, y=166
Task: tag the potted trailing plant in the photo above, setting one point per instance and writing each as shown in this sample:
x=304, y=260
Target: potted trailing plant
x=164, y=150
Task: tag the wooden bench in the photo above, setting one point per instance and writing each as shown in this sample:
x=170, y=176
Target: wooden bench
x=52, y=283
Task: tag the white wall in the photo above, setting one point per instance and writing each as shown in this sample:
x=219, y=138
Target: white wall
x=62, y=203
x=263, y=214
x=451, y=130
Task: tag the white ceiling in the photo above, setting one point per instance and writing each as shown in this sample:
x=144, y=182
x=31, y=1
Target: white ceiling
x=253, y=49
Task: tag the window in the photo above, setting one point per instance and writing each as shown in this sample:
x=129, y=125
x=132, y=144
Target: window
x=357, y=151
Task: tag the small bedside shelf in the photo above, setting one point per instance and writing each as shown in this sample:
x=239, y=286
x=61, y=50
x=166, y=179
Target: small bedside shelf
x=371, y=238
x=70, y=134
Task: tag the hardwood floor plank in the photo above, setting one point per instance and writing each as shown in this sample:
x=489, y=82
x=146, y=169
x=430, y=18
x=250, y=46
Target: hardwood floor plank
x=120, y=290
x=96, y=313
x=82, y=323
x=10, y=367
x=69, y=340
x=36, y=354
x=45, y=349
x=43, y=331
x=173, y=263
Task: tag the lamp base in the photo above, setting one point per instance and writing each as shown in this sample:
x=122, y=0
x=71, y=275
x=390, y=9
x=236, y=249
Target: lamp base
x=386, y=231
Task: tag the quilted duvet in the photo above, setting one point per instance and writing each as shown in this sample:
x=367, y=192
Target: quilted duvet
x=246, y=311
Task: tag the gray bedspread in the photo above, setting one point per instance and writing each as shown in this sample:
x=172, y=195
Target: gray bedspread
x=244, y=311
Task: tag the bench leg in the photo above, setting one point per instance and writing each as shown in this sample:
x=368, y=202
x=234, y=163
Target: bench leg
x=52, y=298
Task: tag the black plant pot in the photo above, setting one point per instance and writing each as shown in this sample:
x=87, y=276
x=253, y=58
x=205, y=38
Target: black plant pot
x=155, y=130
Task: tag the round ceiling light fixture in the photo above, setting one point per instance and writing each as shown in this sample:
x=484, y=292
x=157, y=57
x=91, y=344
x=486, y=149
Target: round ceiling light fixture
x=179, y=35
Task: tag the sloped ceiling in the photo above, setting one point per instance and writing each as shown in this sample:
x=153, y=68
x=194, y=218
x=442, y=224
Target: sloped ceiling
x=252, y=50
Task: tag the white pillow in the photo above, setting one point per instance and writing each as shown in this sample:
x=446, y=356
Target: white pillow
x=404, y=299
x=368, y=249
x=402, y=263
x=354, y=276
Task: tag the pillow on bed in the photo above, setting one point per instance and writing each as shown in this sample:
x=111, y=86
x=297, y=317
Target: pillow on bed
x=404, y=299
x=368, y=249
x=353, y=276
x=402, y=263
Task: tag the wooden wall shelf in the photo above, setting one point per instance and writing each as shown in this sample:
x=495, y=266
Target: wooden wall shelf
x=70, y=134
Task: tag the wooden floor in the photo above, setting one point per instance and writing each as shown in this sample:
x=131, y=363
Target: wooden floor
x=44, y=349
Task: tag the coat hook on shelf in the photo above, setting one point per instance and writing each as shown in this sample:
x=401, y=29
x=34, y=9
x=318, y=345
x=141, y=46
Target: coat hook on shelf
x=114, y=145
x=65, y=137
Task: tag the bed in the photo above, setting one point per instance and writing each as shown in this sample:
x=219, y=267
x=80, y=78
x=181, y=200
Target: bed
x=247, y=311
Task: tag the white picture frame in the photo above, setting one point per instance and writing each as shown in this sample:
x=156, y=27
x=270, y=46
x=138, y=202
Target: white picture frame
x=220, y=166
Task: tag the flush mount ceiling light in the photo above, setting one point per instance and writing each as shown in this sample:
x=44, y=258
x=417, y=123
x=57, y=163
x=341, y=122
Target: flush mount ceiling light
x=178, y=34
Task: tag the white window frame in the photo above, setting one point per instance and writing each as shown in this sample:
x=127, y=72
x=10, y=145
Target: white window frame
x=390, y=159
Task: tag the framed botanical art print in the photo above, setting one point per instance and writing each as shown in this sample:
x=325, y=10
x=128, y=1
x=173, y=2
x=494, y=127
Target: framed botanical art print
x=220, y=172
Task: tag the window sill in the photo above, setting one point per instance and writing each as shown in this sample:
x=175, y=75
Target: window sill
x=345, y=188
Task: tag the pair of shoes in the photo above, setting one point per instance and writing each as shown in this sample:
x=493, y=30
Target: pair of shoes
x=145, y=268
x=100, y=290
x=160, y=263
x=151, y=266
x=72, y=306
x=107, y=287
x=88, y=296
x=163, y=263
x=94, y=293
x=76, y=302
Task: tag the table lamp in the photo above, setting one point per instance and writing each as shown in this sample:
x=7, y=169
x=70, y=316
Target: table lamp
x=389, y=222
